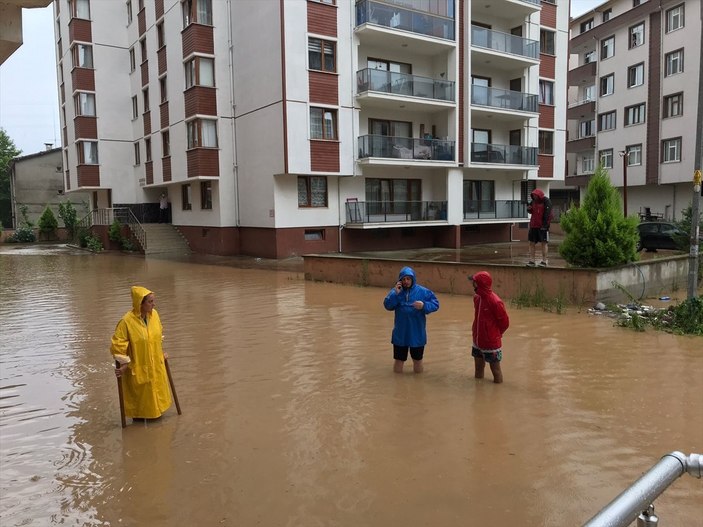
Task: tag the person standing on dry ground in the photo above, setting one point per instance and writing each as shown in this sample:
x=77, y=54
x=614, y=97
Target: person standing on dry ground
x=490, y=322
x=540, y=209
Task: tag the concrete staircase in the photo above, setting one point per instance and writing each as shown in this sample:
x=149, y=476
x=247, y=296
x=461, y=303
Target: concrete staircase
x=164, y=239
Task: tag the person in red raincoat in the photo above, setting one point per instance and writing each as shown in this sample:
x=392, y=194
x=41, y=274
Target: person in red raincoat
x=490, y=322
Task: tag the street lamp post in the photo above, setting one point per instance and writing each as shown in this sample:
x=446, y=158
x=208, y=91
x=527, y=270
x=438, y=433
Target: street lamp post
x=625, y=158
x=693, y=254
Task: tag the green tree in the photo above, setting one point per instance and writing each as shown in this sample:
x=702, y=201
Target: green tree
x=69, y=217
x=597, y=234
x=8, y=150
x=48, y=223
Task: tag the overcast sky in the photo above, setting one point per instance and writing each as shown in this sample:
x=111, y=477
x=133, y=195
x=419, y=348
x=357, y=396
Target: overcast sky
x=29, y=106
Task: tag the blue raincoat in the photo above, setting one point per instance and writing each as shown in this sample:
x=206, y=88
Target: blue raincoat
x=409, y=328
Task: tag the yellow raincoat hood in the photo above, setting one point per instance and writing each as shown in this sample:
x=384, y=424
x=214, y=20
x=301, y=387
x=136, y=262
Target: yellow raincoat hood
x=138, y=294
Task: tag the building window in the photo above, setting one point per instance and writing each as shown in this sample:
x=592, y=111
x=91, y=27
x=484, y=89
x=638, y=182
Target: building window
x=673, y=62
x=322, y=55
x=589, y=93
x=634, y=114
x=607, y=14
x=135, y=107
x=314, y=234
x=606, y=121
x=129, y=11
x=546, y=42
x=165, y=144
x=82, y=56
x=206, y=195
x=587, y=128
x=546, y=92
x=546, y=142
x=137, y=154
x=160, y=40
x=635, y=75
x=85, y=104
x=586, y=25
x=673, y=105
x=87, y=152
x=384, y=194
x=606, y=158
x=634, y=155
x=163, y=88
x=197, y=12
x=671, y=150
x=147, y=149
x=636, y=35
x=142, y=48
x=635, y=3
x=588, y=164
x=589, y=56
x=200, y=71
x=607, y=85
x=312, y=191
x=80, y=9
x=607, y=48
x=132, y=60
x=323, y=123
x=202, y=133
x=145, y=95
x=186, y=198
x=674, y=18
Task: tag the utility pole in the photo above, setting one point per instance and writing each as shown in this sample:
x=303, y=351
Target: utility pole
x=693, y=256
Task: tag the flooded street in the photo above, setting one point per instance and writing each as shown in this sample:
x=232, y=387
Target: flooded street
x=292, y=415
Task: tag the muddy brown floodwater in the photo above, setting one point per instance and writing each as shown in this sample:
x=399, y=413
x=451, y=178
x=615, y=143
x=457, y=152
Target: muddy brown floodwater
x=292, y=415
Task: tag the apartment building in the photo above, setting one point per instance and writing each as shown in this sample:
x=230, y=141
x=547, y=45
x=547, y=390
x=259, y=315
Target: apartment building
x=634, y=101
x=282, y=127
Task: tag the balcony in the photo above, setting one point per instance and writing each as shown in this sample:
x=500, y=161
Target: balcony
x=359, y=212
x=493, y=210
x=503, y=99
x=581, y=144
x=581, y=109
x=406, y=148
x=582, y=74
x=503, y=154
x=403, y=84
x=394, y=17
x=513, y=49
x=515, y=10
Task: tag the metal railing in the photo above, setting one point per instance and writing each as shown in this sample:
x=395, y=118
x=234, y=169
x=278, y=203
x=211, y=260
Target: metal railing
x=404, y=84
x=405, y=148
x=635, y=502
x=395, y=211
x=504, y=42
x=396, y=17
x=506, y=99
x=494, y=209
x=503, y=154
x=108, y=216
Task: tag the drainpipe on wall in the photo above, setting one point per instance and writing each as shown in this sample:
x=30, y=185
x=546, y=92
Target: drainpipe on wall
x=235, y=168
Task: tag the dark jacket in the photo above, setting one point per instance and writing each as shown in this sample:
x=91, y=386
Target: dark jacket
x=409, y=328
x=541, y=210
x=490, y=317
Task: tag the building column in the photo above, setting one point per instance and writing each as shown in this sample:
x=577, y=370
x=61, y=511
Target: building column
x=455, y=196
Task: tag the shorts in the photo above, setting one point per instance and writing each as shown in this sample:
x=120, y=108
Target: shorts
x=491, y=357
x=401, y=352
x=537, y=235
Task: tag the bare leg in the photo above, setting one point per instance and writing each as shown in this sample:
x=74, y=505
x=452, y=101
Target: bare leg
x=417, y=366
x=398, y=366
x=497, y=372
x=545, y=250
x=479, y=365
x=532, y=251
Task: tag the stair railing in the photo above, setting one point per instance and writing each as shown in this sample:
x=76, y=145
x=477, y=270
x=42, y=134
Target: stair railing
x=126, y=216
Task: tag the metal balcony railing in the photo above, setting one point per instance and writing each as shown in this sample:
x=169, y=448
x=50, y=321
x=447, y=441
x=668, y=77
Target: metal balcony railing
x=122, y=214
x=494, y=209
x=404, y=84
x=405, y=148
x=504, y=42
x=397, y=17
x=505, y=99
x=395, y=211
x=503, y=154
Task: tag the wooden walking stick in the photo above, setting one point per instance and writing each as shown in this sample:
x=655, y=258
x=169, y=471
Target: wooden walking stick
x=119, y=361
x=173, y=387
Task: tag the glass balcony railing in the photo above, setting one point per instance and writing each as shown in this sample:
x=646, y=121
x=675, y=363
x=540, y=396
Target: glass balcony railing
x=505, y=99
x=490, y=209
x=404, y=84
x=503, y=154
x=504, y=42
x=405, y=148
x=394, y=16
x=392, y=211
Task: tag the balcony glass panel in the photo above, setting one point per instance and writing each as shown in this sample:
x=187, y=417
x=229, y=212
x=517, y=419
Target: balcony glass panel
x=421, y=20
x=503, y=154
x=393, y=211
x=504, y=42
x=405, y=148
x=497, y=98
x=404, y=84
x=499, y=209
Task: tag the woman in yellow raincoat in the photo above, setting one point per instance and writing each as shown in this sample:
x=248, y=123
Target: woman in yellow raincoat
x=138, y=335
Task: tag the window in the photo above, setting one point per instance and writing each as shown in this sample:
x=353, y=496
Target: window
x=607, y=47
x=589, y=56
x=142, y=48
x=202, y=133
x=635, y=75
x=607, y=14
x=85, y=104
x=636, y=35
x=135, y=107
x=674, y=18
x=200, y=71
x=606, y=158
x=160, y=40
x=165, y=144
x=607, y=85
x=673, y=105
x=185, y=197
x=145, y=95
x=606, y=121
x=137, y=156
x=586, y=25
x=635, y=3
x=132, y=60
x=634, y=114
x=673, y=62
x=392, y=195
x=314, y=234
x=546, y=92
x=163, y=88
x=586, y=128
x=588, y=164
x=312, y=191
x=479, y=195
x=82, y=56
x=80, y=9
x=589, y=93
x=206, y=195
x=129, y=12
x=546, y=42
x=634, y=155
x=87, y=152
x=546, y=142
x=671, y=150
x=197, y=12
x=323, y=123
x=147, y=149
x=322, y=55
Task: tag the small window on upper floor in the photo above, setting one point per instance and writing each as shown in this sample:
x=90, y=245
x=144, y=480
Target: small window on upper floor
x=129, y=11
x=606, y=158
x=589, y=56
x=607, y=85
x=586, y=25
x=635, y=3
x=132, y=60
x=546, y=92
x=607, y=47
x=673, y=62
x=607, y=14
x=200, y=71
x=163, y=86
x=635, y=75
x=80, y=9
x=636, y=35
x=674, y=18
x=82, y=56
x=145, y=94
x=142, y=48
x=322, y=55
x=206, y=195
x=673, y=105
x=197, y=12
x=323, y=123
x=135, y=107
x=160, y=39
x=546, y=142
x=84, y=104
x=546, y=42
x=202, y=133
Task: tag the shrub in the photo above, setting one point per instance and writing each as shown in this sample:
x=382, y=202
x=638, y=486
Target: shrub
x=69, y=217
x=115, y=231
x=83, y=235
x=127, y=244
x=94, y=244
x=24, y=234
x=597, y=234
x=48, y=223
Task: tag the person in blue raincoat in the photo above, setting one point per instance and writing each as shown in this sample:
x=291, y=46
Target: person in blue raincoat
x=411, y=303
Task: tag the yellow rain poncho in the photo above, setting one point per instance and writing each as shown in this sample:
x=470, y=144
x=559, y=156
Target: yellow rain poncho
x=145, y=383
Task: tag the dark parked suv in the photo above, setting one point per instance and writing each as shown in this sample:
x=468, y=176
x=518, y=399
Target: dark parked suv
x=661, y=235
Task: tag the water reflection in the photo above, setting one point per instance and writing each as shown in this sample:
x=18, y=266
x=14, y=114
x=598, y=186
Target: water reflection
x=292, y=415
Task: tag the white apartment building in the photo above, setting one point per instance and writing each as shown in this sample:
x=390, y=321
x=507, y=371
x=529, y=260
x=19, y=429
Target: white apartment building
x=634, y=101
x=282, y=127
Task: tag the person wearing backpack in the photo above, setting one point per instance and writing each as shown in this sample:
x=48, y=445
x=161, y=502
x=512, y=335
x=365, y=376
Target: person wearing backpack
x=540, y=209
